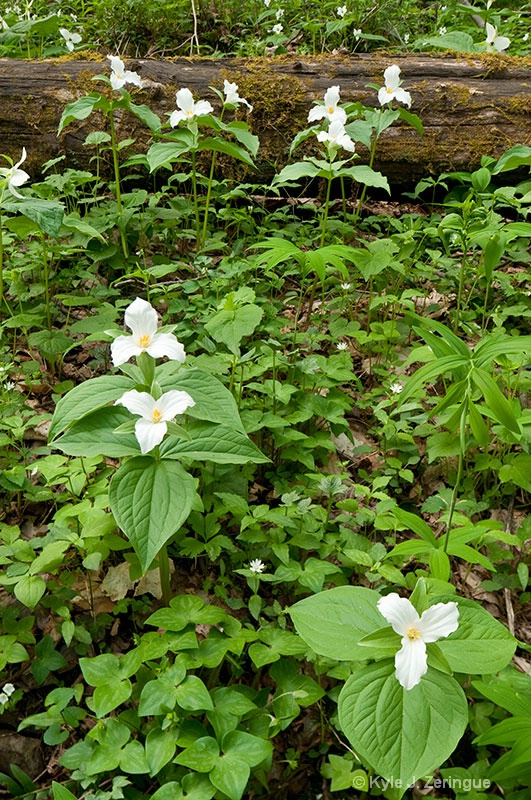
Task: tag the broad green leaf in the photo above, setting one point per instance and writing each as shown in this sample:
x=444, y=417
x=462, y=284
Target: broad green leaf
x=517, y=469
x=229, y=148
x=252, y=749
x=293, y=172
x=29, y=590
x=517, y=156
x=216, y=443
x=230, y=326
x=213, y=401
x=402, y=734
x=106, y=698
x=146, y=115
x=416, y=524
x=47, y=214
x=150, y=501
x=369, y=177
x=60, y=792
x=95, y=435
x=333, y=622
x=163, y=154
x=201, y=756
x=230, y=775
x=481, y=644
x=241, y=132
x=495, y=400
x=85, y=398
x=160, y=749
x=192, y=695
x=453, y=40
x=80, y=109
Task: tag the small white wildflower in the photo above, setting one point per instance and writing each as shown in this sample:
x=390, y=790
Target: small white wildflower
x=277, y=29
x=231, y=95
x=525, y=37
x=493, y=41
x=442, y=30
x=391, y=90
x=341, y=346
x=330, y=110
x=120, y=75
x=356, y=32
x=279, y=13
x=188, y=108
x=8, y=689
x=336, y=136
x=396, y=388
x=341, y=11
x=346, y=286
x=3, y=699
x=256, y=566
x=71, y=39
x=406, y=38
x=15, y=177
x=267, y=3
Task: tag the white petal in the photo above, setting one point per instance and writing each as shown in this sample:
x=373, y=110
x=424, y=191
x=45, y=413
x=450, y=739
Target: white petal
x=141, y=318
x=316, y=113
x=174, y=402
x=18, y=177
x=438, y=621
x=399, y=612
x=202, y=107
x=331, y=97
x=185, y=99
x=132, y=77
x=140, y=403
x=176, y=117
x=149, y=434
x=411, y=662
x=392, y=76
x=346, y=143
x=122, y=349
x=323, y=136
x=166, y=344
x=402, y=96
x=22, y=159
x=491, y=32
x=117, y=65
x=383, y=97
x=501, y=43
x=338, y=115
x=116, y=82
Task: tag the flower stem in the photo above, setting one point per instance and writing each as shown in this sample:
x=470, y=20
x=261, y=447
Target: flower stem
x=164, y=573
x=462, y=443
x=117, y=190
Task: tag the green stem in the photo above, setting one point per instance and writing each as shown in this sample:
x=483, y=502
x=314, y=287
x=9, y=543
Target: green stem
x=164, y=572
x=196, y=207
x=117, y=190
x=46, y=271
x=325, y=213
x=1, y=256
x=459, y=476
x=371, y=162
x=207, y=199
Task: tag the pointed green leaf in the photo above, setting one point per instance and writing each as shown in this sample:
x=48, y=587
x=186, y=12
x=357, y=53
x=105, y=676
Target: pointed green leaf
x=216, y=443
x=150, y=501
x=85, y=398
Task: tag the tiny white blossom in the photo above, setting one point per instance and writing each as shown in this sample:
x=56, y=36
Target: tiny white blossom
x=267, y=3
x=437, y=622
x=188, y=108
x=231, y=95
x=406, y=38
x=336, y=136
x=14, y=176
x=330, y=110
x=278, y=28
x=8, y=689
x=71, y=39
x=341, y=11
x=256, y=565
x=396, y=388
x=525, y=37
x=442, y=30
x=120, y=75
x=152, y=426
x=391, y=90
x=341, y=346
x=495, y=42
x=141, y=319
x=279, y=13
x=3, y=699
x=356, y=32
x=346, y=286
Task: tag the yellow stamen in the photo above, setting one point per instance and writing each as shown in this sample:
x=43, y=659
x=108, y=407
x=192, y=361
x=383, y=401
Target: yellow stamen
x=157, y=416
x=144, y=341
x=331, y=109
x=412, y=634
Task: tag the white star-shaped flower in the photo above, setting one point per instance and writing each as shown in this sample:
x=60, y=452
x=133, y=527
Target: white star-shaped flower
x=391, y=90
x=437, y=622
x=495, y=42
x=256, y=565
x=341, y=11
x=188, y=108
x=71, y=39
x=14, y=176
x=336, y=136
x=152, y=426
x=330, y=109
x=141, y=319
x=120, y=75
x=231, y=95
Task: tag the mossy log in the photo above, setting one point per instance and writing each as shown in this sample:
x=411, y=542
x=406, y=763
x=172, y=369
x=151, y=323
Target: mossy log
x=469, y=106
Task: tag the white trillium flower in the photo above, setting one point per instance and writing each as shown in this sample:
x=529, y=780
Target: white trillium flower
x=231, y=95
x=391, y=90
x=495, y=42
x=437, y=622
x=141, y=319
x=256, y=565
x=188, y=108
x=152, y=426
x=14, y=176
x=336, y=136
x=71, y=39
x=120, y=75
x=330, y=109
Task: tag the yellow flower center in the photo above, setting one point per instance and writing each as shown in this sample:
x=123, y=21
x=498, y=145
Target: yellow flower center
x=189, y=113
x=412, y=634
x=144, y=341
x=389, y=90
x=157, y=416
x=331, y=109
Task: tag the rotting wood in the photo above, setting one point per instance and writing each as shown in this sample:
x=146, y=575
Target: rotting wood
x=469, y=106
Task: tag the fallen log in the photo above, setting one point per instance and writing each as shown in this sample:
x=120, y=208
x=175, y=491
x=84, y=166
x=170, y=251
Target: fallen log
x=469, y=106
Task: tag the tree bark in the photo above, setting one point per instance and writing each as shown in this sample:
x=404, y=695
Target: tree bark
x=469, y=106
